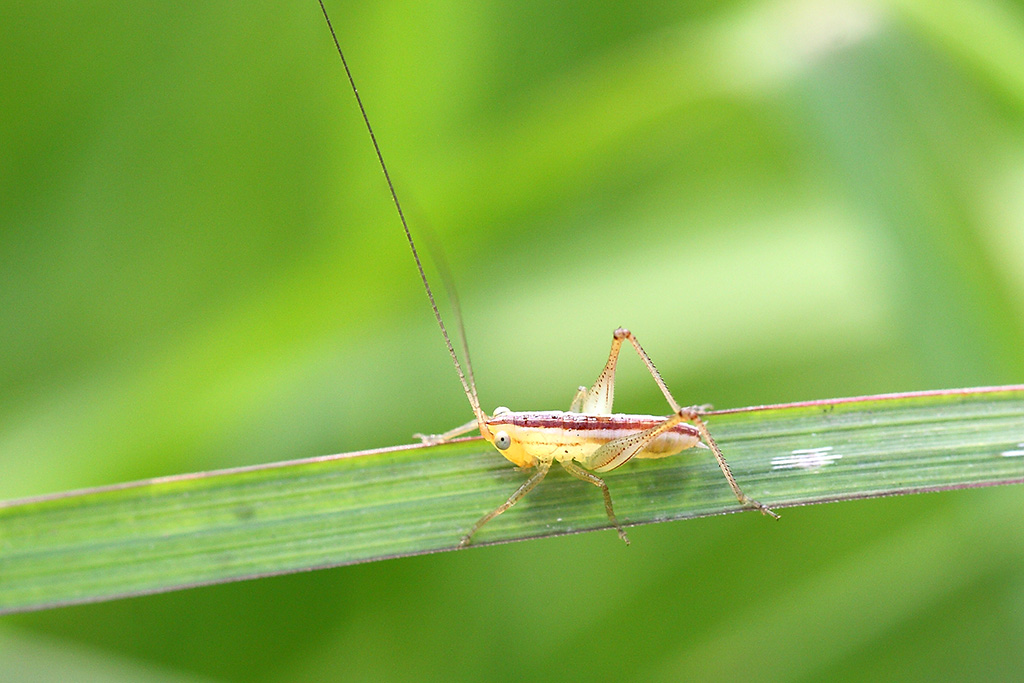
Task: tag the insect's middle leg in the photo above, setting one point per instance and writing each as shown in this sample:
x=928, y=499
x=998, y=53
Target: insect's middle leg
x=591, y=478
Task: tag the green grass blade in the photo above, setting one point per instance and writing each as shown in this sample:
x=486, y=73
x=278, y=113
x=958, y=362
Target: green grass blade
x=176, y=532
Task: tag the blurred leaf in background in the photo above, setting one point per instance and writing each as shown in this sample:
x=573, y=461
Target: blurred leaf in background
x=784, y=200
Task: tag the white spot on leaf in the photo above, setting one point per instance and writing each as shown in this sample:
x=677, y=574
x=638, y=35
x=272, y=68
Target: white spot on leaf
x=1015, y=453
x=806, y=459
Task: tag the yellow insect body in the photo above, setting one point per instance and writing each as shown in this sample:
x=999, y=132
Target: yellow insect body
x=560, y=436
x=588, y=433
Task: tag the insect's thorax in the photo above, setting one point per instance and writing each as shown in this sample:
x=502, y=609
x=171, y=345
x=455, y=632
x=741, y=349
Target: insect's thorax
x=556, y=435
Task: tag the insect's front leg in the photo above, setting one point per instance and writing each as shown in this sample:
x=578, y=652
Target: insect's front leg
x=535, y=478
x=435, y=439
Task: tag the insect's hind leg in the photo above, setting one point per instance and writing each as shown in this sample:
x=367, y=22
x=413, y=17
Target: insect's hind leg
x=591, y=478
x=621, y=334
x=693, y=415
x=599, y=398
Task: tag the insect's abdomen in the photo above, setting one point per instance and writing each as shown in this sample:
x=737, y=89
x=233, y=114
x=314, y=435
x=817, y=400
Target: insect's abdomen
x=562, y=436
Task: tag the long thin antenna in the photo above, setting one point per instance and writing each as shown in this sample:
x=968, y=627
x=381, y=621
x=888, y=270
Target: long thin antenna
x=468, y=386
x=443, y=270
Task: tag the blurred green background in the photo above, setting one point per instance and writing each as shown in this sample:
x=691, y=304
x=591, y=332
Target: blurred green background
x=200, y=268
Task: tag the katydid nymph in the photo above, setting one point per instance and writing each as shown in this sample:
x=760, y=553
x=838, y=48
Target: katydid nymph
x=585, y=440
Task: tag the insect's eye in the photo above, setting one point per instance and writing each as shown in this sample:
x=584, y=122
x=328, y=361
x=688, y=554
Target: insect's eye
x=502, y=441
x=501, y=410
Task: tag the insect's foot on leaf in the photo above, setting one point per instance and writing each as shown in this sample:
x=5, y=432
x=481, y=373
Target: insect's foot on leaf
x=765, y=510
x=751, y=504
x=429, y=439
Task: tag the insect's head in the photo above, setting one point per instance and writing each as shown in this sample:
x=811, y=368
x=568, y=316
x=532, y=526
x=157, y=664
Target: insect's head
x=500, y=430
